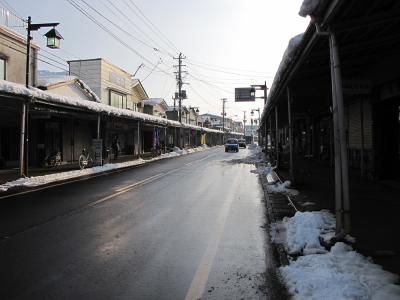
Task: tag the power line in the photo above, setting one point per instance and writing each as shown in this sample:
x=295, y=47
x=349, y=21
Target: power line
x=147, y=21
x=7, y=6
x=119, y=27
x=152, y=70
x=137, y=28
x=108, y=31
x=227, y=72
x=202, y=98
x=227, y=68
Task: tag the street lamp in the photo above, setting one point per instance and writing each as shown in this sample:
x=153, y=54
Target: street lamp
x=53, y=41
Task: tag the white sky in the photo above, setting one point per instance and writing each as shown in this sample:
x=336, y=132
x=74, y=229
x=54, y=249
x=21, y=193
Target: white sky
x=234, y=35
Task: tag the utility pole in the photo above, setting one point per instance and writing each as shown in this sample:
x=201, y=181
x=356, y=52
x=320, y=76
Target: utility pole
x=180, y=83
x=224, y=100
x=244, y=123
x=181, y=95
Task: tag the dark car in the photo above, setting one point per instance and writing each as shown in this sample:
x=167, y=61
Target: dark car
x=242, y=143
x=232, y=145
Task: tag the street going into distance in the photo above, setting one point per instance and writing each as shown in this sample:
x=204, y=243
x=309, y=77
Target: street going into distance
x=185, y=228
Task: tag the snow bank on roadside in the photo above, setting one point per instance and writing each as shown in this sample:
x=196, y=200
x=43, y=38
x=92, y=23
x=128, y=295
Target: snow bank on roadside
x=256, y=156
x=282, y=188
x=340, y=273
x=45, y=179
x=301, y=232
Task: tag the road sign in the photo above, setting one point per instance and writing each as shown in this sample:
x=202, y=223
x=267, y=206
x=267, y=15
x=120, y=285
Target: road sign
x=245, y=94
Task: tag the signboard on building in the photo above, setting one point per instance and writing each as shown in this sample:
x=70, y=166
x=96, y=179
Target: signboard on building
x=97, y=150
x=245, y=94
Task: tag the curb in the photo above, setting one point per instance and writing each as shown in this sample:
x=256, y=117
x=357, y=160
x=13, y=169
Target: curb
x=17, y=190
x=278, y=249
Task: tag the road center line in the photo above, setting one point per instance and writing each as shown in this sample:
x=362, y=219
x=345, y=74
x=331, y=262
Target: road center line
x=130, y=186
x=200, y=278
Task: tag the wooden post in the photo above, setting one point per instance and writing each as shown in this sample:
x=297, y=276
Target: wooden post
x=290, y=135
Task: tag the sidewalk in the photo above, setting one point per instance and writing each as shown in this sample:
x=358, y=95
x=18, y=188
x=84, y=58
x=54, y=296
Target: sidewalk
x=375, y=209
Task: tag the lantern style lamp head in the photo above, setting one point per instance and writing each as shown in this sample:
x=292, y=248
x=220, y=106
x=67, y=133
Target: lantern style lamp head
x=252, y=113
x=53, y=38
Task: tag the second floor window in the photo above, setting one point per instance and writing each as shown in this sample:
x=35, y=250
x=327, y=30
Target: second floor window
x=117, y=100
x=2, y=68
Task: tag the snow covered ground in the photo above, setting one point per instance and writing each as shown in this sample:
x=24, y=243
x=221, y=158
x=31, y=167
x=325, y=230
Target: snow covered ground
x=338, y=273
x=45, y=179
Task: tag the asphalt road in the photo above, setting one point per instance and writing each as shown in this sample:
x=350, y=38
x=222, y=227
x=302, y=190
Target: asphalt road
x=184, y=228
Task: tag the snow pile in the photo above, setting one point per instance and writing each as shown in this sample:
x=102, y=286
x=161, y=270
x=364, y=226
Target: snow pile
x=302, y=231
x=340, y=273
x=50, y=178
x=257, y=156
x=282, y=188
x=263, y=170
x=179, y=151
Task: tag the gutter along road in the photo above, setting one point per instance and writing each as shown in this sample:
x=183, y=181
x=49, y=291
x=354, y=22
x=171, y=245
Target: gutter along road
x=183, y=228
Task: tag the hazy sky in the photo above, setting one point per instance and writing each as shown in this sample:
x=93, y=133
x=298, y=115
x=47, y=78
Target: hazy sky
x=228, y=43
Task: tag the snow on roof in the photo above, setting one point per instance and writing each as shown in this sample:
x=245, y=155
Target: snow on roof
x=154, y=101
x=48, y=81
x=287, y=59
x=20, y=90
x=308, y=7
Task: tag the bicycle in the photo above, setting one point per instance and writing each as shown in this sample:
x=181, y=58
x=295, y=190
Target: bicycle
x=85, y=159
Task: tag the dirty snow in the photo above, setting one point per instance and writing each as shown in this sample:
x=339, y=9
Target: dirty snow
x=302, y=231
x=282, y=188
x=256, y=156
x=340, y=273
x=45, y=179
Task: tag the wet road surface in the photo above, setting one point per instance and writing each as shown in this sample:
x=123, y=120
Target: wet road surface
x=184, y=228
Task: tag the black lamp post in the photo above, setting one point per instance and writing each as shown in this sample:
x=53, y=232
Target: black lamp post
x=53, y=41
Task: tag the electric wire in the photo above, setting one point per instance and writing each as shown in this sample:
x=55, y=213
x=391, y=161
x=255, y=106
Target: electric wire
x=150, y=25
x=118, y=27
x=112, y=34
x=137, y=28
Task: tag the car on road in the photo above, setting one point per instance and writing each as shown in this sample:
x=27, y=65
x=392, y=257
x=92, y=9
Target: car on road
x=242, y=143
x=232, y=145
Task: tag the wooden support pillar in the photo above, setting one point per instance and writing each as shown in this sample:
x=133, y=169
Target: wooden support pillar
x=362, y=137
x=98, y=127
x=276, y=137
x=290, y=135
x=22, y=141
x=139, y=144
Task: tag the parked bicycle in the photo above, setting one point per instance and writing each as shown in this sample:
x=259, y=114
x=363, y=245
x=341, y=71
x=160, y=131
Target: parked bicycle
x=85, y=159
x=53, y=159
